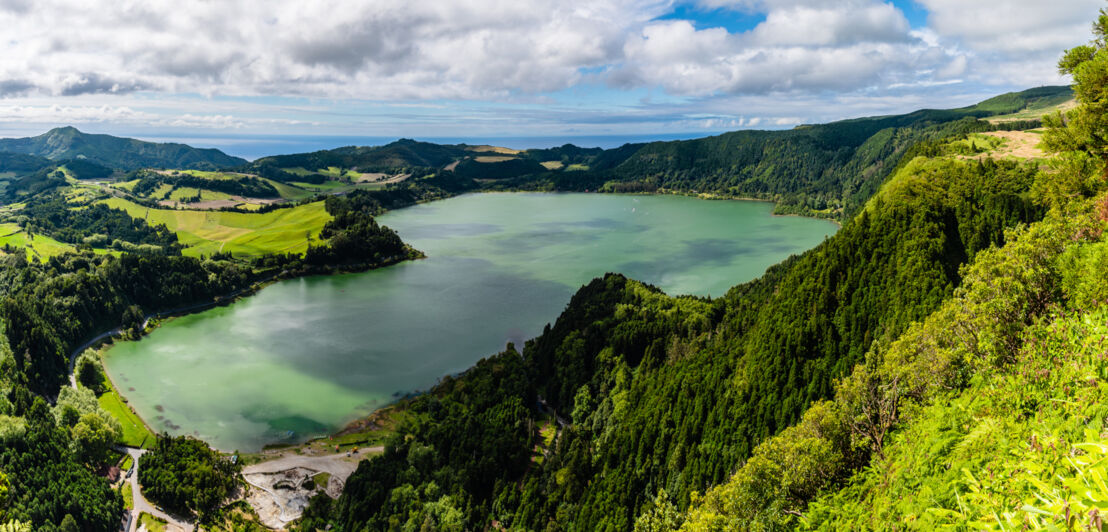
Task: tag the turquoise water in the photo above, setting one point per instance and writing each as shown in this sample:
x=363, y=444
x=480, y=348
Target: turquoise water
x=303, y=357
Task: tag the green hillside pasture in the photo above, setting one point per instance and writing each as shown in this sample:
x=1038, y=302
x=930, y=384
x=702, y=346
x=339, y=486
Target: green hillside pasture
x=208, y=232
x=1033, y=113
x=297, y=170
x=40, y=246
x=126, y=185
x=211, y=175
x=205, y=194
x=161, y=192
x=976, y=143
x=290, y=192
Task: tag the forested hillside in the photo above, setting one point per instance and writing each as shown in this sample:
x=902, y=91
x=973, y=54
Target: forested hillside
x=826, y=170
x=937, y=362
x=670, y=394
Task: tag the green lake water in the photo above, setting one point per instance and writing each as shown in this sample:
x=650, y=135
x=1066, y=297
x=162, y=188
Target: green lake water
x=305, y=356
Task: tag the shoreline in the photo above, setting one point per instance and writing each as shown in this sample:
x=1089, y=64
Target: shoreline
x=154, y=320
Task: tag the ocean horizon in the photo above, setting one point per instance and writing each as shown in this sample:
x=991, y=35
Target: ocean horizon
x=252, y=147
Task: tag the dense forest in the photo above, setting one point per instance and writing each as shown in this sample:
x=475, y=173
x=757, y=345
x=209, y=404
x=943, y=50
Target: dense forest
x=184, y=476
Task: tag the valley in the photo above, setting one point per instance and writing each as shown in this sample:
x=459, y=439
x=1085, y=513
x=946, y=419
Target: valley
x=302, y=357
x=337, y=283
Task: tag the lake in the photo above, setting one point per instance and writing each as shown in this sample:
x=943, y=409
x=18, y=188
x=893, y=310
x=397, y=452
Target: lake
x=303, y=357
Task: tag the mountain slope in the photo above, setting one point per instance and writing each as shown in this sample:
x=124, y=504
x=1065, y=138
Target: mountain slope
x=671, y=394
x=834, y=166
x=67, y=143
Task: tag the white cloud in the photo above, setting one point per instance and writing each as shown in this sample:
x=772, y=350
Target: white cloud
x=1013, y=41
x=381, y=49
x=144, y=61
x=466, y=49
x=801, y=46
x=824, y=25
x=40, y=114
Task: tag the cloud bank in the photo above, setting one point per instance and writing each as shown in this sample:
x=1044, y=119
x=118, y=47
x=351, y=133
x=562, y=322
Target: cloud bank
x=524, y=52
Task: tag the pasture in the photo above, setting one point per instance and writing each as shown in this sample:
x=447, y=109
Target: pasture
x=242, y=234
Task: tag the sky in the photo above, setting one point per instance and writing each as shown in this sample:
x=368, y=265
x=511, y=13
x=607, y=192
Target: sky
x=221, y=72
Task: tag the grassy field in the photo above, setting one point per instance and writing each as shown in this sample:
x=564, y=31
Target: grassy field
x=128, y=496
x=161, y=192
x=205, y=194
x=492, y=158
x=40, y=246
x=135, y=433
x=1032, y=114
x=152, y=524
x=290, y=192
x=978, y=143
x=208, y=232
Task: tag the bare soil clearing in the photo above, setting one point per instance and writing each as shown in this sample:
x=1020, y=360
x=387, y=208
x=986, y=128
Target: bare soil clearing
x=281, y=488
x=1019, y=144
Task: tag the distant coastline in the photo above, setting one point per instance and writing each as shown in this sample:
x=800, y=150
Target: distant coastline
x=255, y=146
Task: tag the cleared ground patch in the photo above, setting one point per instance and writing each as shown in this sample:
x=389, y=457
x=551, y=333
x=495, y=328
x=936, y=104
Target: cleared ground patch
x=207, y=232
x=1007, y=144
x=151, y=523
x=492, y=159
x=494, y=149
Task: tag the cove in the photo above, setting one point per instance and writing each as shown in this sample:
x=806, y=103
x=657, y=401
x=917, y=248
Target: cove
x=303, y=357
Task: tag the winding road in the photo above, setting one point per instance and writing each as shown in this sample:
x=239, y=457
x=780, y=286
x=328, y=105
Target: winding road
x=140, y=503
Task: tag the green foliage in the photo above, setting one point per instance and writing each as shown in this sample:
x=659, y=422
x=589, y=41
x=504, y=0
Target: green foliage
x=1004, y=291
x=47, y=482
x=55, y=216
x=51, y=308
x=1084, y=128
x=186, y=477
x=242, y=185
x=448, y=459
x=93, y=431
x=15, y=526
x=89, y=372
x=472, y=169
x=353, y=236
x=400, y=155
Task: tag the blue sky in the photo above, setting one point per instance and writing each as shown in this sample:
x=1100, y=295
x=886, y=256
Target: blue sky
x=508, y=69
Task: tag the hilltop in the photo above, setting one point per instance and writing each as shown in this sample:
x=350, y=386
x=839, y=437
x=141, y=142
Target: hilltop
x=68, y=143
x=819, y=170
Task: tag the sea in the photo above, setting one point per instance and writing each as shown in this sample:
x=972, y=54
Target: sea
x=257, y=146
